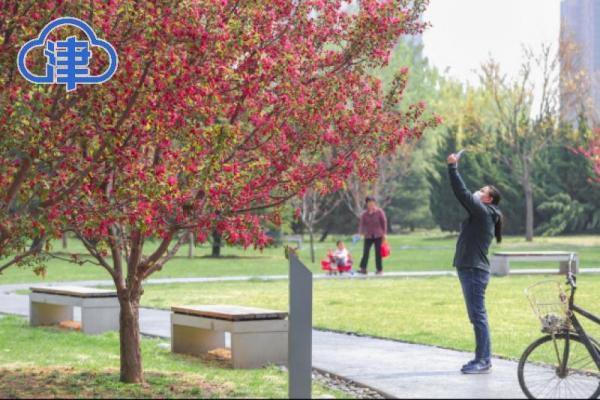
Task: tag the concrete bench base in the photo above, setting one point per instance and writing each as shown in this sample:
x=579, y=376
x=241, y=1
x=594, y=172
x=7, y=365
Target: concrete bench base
x=50, y=306
x=294, y=239
x=254, y=343
x=500, y=262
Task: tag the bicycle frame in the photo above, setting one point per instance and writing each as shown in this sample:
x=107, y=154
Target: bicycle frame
x=590, y=343
x=570, y=348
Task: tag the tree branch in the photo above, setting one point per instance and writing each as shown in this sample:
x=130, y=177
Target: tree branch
x=36, y=247
x=161, y=262
x=17, y=182
x=94, y=252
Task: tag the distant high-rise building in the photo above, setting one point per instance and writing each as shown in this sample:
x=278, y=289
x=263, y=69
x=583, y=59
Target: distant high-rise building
x=580, y=59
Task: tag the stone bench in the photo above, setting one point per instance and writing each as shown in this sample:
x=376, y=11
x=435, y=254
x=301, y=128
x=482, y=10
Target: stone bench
x=500, y=262
x=294, y=239
x=258, y=336
x=52, y=305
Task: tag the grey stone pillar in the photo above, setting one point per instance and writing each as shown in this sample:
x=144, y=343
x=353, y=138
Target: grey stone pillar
x=300, y=330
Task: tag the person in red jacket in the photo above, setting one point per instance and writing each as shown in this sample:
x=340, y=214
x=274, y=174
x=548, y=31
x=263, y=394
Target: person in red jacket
x=373, y=227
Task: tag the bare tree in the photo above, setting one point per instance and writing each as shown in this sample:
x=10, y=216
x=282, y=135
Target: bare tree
x=316, y=206
x=191, y=245
x=525, y=115
x=390, y=170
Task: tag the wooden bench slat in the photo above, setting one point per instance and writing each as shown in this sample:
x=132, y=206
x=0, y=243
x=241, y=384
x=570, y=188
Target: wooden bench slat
x=230, y=312
x=74, y=291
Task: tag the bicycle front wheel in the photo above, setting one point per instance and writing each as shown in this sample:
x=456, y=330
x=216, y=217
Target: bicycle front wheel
x=541, y=375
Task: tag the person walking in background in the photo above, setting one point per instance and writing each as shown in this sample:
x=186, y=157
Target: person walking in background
x=373, y=227
x=471, y=262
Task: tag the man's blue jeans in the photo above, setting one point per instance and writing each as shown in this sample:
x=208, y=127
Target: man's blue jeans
x=474, y=282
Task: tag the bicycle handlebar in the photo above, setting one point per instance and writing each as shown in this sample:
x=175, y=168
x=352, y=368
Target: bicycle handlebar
x=571, y=279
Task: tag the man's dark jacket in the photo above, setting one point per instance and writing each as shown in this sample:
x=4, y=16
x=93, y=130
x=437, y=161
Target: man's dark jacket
x=477, y=231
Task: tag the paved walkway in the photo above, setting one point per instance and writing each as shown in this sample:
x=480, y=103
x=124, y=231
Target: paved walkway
x=158, y=281
x=394, y=368
x=397, y=274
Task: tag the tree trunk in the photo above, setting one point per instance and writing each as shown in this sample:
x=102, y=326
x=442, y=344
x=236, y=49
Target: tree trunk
x=64, y=240
x=324, y=235
x=311, y=235
x=529, y=214
x=216, y=245
x=190, y=245
x=527, y=188
x=129, y=333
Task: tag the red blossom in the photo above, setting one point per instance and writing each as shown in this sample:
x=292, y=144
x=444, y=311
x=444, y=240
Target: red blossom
x=205, y=126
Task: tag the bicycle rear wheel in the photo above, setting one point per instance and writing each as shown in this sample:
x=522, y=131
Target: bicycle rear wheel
x=539, y=369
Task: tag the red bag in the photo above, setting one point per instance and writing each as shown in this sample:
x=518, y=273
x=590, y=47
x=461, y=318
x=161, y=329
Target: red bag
x=385, y=249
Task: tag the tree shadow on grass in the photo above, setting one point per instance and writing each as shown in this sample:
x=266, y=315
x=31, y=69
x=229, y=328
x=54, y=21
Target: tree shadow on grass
x=68, y=382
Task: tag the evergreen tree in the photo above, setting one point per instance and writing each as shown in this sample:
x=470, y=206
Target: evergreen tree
x=569, y=191
x=478, y=167
x=409, y=208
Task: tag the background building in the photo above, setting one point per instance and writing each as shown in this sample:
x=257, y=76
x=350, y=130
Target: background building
x=580, y=59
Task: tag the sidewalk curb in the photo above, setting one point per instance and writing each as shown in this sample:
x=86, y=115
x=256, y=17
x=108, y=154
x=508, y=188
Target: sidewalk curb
x=354, y=382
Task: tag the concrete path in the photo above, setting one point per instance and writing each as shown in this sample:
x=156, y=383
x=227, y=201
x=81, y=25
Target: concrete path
x=405, y=370
x=394, y=368
x=14, y=304
x=395, y=274
x=159, y=281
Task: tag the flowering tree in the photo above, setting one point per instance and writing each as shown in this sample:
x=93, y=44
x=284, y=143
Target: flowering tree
x=220, y=112
x=593, y=152
x=50, y=141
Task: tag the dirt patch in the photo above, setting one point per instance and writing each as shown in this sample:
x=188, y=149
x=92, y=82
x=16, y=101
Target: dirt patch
x=217, y=358
x=67, y=382
x=70, y=325
x=221, y=355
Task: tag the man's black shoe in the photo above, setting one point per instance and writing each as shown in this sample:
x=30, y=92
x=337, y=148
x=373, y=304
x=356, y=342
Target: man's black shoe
x=473, y=361
x=479, y=367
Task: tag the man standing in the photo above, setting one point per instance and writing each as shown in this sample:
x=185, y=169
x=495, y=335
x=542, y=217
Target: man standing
x=471, y=262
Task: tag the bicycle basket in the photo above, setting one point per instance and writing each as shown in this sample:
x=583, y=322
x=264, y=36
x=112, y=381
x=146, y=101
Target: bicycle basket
x=549, y=303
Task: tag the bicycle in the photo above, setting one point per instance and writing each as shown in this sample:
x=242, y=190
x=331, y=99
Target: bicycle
x=565, y=363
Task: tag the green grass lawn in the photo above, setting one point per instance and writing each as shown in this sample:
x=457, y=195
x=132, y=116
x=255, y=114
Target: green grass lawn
x=421, y=251
x=48, y=362
x=421, y=310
